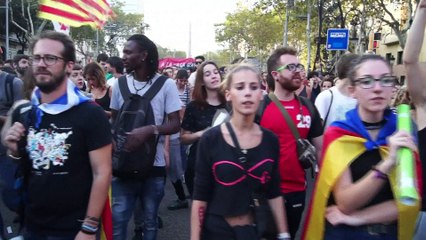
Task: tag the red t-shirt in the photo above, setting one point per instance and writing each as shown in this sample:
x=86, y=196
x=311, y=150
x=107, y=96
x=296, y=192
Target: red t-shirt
x=292, y=173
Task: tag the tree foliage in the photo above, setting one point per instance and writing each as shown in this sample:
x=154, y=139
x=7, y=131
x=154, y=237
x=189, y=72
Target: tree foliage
x=251, y=32
x=23, y=23
x=165, y=52
x=115, y=32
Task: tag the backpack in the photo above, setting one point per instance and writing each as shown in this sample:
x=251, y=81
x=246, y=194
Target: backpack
x=135, y=112
x=266, y=101
x=8, y=89
x=13, y=193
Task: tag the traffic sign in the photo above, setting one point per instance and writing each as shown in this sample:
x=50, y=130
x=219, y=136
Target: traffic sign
x=337, y=39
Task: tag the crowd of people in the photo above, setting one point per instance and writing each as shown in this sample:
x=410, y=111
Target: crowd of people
x=237, y=145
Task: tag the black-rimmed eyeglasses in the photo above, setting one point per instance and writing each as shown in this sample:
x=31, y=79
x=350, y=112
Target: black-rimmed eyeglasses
x=48, y=59
x=368, y=81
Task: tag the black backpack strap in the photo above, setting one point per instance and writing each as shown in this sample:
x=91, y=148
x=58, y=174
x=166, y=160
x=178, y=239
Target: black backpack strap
x=329, y=108
x=124, y=88
x=156, y=86
x=308, y=104
x=8, y=89
x=262, y=106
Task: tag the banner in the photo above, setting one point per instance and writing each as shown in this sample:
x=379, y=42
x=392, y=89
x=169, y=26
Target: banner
x=177, y=62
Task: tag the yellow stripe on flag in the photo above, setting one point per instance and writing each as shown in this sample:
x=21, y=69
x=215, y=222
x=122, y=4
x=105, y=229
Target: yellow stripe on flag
x=338, y=156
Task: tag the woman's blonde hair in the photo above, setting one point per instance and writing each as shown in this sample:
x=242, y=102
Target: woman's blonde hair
x=226, y=84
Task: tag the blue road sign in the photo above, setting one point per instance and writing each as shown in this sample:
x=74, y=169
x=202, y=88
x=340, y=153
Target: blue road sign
x=337, y=39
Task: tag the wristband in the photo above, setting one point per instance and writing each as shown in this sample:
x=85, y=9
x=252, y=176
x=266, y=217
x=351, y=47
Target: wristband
x=14, y=157
x=283, y=236
x=87, y=229
x=155, y=129
x=92, y=218
x=379, y=174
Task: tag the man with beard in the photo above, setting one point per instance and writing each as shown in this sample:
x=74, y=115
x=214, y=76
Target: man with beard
x=21, y=63
x=66, y=148
x=285, y=78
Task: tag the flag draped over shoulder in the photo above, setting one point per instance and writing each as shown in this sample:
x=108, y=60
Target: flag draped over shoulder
x=76, y=13
x=344, y=141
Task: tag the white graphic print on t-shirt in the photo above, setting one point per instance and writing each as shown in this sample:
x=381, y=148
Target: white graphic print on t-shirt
x=47, y=146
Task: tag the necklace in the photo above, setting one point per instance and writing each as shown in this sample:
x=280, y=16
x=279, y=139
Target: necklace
x=137, y=90
x=374, y=126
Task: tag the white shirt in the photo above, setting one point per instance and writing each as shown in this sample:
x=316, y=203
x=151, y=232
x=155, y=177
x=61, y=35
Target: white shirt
x=111, y=82
x=340, y=105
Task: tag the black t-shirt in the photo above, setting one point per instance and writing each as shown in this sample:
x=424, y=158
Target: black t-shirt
x=361, y=166
x=422, y=153
x=220, y=177
x=198, y=118
x=60, y=178
x=105, y=101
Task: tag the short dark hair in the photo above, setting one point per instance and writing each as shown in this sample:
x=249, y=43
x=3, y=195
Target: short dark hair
x=102, y=57
x=200, y=57
x=356, y=63
x=18, y=58
x=313, y=74
x=117, y=63
x=8, y=69
x=69, y=48
x=77, y=67
x=273, y=62
x=344, y=65
x=182, y=74
x=146, y=44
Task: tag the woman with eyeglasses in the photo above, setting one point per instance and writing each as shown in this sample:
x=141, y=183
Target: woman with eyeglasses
x=199, y=113
x=354, y=195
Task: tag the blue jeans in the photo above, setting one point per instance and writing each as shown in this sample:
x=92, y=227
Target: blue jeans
x=124, y=195
x=355, y=233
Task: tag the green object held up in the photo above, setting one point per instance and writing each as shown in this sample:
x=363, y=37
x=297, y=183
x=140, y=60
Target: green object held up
x=405, y=171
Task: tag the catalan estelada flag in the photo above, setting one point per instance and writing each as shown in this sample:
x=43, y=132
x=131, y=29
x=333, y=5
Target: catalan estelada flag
x=76, y=13
x=343, y=142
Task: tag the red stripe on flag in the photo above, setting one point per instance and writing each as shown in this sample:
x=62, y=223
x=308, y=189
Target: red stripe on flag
x=73, y=5
x=107, y=219
x=61, y=13
x=95, y=5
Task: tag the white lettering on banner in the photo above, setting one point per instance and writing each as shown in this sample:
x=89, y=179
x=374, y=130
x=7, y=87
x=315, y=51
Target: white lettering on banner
x=338, y=35
x=303, y=122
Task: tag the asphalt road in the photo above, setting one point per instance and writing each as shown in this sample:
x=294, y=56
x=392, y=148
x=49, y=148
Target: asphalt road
x=176, y=223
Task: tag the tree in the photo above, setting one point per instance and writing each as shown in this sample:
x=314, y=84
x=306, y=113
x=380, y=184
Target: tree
x=115, y=32
x=251, y=32
x=121, y=27
x=22, y=22
x=386, y=11
x=165, y=52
